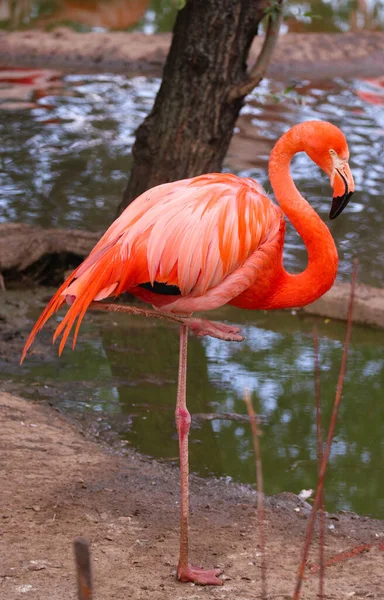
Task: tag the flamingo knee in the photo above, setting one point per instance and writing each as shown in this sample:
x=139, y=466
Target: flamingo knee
x=183, y=422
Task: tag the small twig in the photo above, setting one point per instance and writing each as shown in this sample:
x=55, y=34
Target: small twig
x=339, y=390
x=342, y=556
x=83, y=569
x=258, y=70
x=260, y=491
x=220, y=417
x=319, y=436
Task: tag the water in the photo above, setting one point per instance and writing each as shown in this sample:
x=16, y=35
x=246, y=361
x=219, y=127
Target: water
x=124, y=375
x=64, y=162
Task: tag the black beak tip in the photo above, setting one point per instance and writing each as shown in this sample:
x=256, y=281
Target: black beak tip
x=338, y=205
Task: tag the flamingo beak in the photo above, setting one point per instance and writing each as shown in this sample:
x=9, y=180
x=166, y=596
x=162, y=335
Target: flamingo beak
x=343, y=188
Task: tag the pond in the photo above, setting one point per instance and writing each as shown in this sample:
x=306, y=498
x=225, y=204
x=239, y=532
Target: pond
x=64, y=162
x=122, y=378
x=65, y=157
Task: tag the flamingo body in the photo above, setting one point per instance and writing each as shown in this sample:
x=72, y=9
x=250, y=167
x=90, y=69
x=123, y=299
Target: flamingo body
x=199, y=243
x=209, y=237
x=215, y=239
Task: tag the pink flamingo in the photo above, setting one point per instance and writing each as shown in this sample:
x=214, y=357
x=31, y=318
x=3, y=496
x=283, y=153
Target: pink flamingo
x=200, y=243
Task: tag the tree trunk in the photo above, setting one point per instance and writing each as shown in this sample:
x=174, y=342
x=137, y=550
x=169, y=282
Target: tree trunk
x=191, y=124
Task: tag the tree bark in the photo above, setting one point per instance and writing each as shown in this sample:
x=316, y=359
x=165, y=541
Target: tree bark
x=204, y=82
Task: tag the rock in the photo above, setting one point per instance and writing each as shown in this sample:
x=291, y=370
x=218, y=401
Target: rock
x=368, y=306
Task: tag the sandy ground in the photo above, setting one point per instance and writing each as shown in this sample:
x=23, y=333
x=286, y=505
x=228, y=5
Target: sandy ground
x=57, y=484
x=314, y=55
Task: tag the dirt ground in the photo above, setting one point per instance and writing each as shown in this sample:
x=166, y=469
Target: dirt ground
x=56, y=485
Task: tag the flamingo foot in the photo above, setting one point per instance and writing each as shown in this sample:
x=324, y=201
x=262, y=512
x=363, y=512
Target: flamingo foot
x=221, y=331
x=199, y=575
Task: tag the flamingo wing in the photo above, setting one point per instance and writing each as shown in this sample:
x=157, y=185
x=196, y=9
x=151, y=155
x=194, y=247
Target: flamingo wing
x=202, y=235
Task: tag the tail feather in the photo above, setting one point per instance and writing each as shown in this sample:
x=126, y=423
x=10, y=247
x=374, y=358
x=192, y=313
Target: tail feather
x=98, y=281
x=53, y=306
x=77, y=328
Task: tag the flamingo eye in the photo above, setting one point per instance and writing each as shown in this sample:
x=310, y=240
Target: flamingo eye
x=333, y=153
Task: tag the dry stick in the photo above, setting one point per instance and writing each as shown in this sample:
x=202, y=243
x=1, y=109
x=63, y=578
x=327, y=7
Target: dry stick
x=347, y=554
x=319, y=437
x=260, y=492
x=327, y=451
x=83, y=569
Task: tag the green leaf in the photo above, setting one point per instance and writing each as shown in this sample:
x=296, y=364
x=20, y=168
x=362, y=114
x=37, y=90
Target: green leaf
x=290, y=88
x=311, y=15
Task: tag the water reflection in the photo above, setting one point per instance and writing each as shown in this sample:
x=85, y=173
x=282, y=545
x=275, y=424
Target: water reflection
x=334, y=15
x=372, y=92
x=66, y=161
x=128, y=373
x=22, y=89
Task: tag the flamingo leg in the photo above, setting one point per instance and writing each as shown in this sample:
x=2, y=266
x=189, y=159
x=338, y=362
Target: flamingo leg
x=185, y=572
x=200, y=327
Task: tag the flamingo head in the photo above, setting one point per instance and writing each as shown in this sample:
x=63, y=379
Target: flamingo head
x=342, y=182
x=328, y=148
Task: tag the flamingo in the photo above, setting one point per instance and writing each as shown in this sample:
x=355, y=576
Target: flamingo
x=200, y=243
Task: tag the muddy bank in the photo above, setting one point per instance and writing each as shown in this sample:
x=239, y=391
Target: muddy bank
x=314, y=56
x=57, y=484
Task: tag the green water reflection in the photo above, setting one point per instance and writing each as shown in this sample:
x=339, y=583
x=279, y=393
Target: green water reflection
x=128, y=374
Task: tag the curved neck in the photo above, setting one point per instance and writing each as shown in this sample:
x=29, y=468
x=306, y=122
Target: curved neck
x=318, y=277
